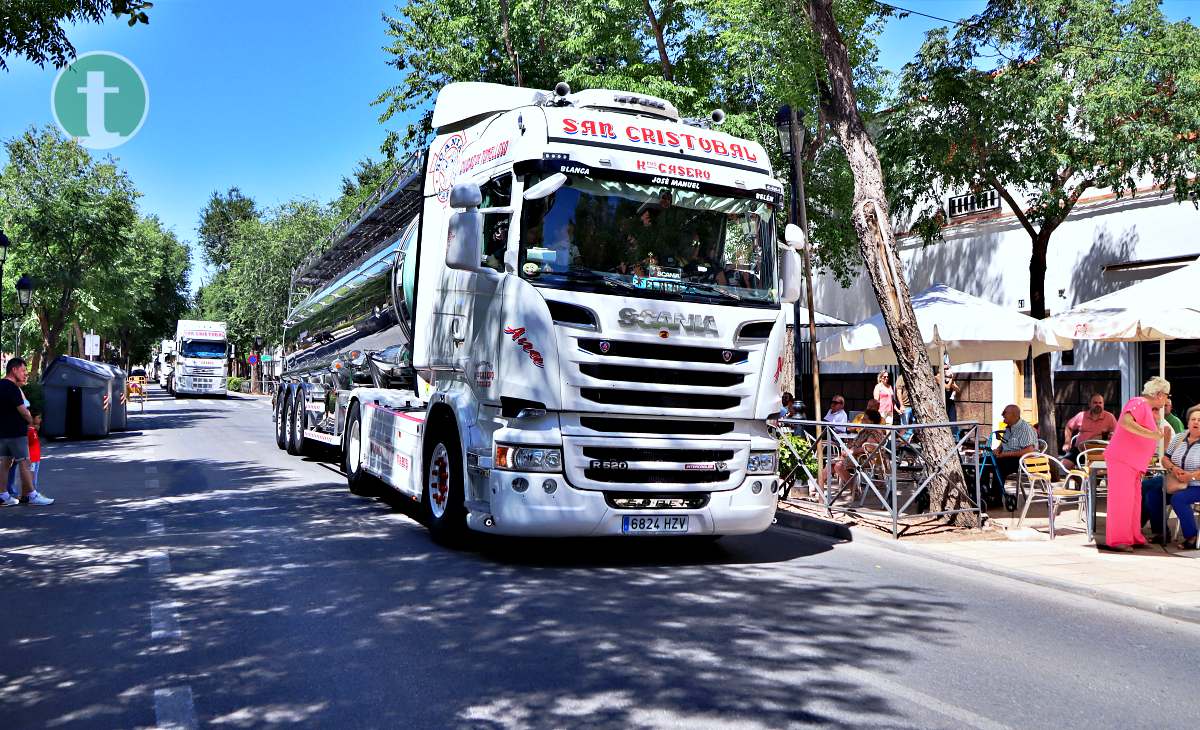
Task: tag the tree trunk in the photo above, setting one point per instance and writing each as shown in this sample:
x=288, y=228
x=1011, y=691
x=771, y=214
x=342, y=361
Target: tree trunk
x=508, y=46
x=947, y=488
x=1043, y=381
x=656, y=25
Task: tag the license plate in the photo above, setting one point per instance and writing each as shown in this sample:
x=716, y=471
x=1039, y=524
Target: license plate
x=648, y=524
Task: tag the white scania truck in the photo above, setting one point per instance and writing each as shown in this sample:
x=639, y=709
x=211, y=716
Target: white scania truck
x=201, y=359
x=565, y=320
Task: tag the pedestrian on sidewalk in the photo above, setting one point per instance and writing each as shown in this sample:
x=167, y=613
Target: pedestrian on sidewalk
x=1127, y=457
x=15, y=420
x=35, y=455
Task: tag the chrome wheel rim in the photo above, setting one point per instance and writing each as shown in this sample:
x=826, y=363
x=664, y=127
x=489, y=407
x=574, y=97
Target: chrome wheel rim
x=353, y=457
x=439, y=480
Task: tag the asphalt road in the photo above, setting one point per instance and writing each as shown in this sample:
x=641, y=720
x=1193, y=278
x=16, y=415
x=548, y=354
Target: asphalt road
x=192, y=574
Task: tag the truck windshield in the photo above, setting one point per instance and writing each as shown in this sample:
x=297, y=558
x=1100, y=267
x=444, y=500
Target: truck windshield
x=203, y=348
x=649, y=240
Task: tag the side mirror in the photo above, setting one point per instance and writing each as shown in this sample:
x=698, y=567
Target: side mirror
x=464, y=240
x=466, y=195
x=789, y=274
x=546, y=187
x=793, y=235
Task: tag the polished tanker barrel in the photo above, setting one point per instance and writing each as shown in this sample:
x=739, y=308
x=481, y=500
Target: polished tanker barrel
x=366, y=310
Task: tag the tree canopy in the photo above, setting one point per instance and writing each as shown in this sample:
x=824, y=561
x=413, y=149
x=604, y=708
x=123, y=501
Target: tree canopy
x=747, y=57
x=95, y=262
x=34, y=28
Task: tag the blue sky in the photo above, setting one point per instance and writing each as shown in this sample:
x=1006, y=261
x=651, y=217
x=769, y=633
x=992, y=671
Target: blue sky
x=274, y=96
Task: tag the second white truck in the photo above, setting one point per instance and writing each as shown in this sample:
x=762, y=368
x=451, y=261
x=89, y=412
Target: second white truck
x=200, y=362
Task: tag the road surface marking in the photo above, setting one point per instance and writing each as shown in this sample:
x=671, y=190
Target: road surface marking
x=250, y=442
x=163, y=623
x=154, y=527
x=159, y=563
x=961, y=714
x=174, y=709
x=152, y=469
x=151, y=484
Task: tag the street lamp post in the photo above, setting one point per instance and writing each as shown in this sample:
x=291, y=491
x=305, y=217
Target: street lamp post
x=791, y=139
x=24, y=298
x=256, y=372
x=4, y=244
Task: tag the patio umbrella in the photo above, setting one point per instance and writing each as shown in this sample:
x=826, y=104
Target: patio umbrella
x=1161, y=308
x=822, y=319
x=965, y=327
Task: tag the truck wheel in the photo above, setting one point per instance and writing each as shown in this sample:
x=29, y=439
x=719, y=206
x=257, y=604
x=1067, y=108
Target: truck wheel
x=281, y=410
x=443, y=500
x=357, y=478
x=297, y=415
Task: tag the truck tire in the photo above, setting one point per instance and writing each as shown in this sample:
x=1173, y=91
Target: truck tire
x=281, y=409
x=357, y=479
x=296, y=418
x=443, y=499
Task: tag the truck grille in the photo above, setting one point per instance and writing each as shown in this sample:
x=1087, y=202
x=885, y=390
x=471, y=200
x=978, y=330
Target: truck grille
x=655, y=351
x=669, y=376
x=658, y=426
x=665, y=500
x=681, y=456
x=655, y=399
x=643, y=464
x=654, y=476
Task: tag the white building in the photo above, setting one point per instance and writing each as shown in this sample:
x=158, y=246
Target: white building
x=1106, y=244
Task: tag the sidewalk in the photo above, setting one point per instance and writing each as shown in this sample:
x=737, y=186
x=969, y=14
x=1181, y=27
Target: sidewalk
x=1161, y=580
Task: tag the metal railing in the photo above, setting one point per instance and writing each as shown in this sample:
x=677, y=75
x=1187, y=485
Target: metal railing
x=877, y=466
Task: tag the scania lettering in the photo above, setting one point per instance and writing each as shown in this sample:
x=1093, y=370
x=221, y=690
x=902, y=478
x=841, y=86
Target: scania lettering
x=537, y=328
x=200, y=360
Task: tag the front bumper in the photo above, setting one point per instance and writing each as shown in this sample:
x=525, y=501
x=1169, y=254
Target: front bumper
x=200, y=384
x=571, y=512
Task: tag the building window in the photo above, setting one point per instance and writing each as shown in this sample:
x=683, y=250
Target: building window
x=960, y=205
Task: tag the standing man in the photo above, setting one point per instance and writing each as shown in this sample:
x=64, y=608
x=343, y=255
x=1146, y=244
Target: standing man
x=1093, y=424
x=15, y=421
x=1019, y=439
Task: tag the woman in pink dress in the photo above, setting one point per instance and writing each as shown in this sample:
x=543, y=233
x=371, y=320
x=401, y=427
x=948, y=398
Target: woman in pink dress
x=1127, y=457
x=885, y=395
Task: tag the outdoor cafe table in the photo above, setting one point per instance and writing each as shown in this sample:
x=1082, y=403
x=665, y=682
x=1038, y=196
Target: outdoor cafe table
x=1093, y=483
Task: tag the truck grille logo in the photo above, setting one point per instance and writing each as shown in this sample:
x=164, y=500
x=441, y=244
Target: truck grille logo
x=694, y=324
x=726, y=355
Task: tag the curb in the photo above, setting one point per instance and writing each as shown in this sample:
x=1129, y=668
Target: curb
x=831, y=529
x=813, y=525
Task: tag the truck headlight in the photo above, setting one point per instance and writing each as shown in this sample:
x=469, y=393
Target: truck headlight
x=528, y=458
x=761, y=462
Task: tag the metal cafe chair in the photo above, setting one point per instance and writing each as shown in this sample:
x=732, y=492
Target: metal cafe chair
x=1038, y=471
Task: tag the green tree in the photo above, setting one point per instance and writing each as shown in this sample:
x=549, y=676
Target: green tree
x=745, y=56
x=220, y=216
x=1089, y=95
x=71, y=220
x=251, y=295
x=34, y=28
x=145, y=294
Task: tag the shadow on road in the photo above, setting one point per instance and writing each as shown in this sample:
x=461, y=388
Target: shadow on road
x=298, y=603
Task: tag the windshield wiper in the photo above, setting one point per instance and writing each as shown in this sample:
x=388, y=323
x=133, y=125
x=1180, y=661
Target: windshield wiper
x=592, y=276
x=712, y=289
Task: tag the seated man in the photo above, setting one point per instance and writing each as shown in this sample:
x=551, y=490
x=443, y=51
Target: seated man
x=1018, y=439
x=1094, y=423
